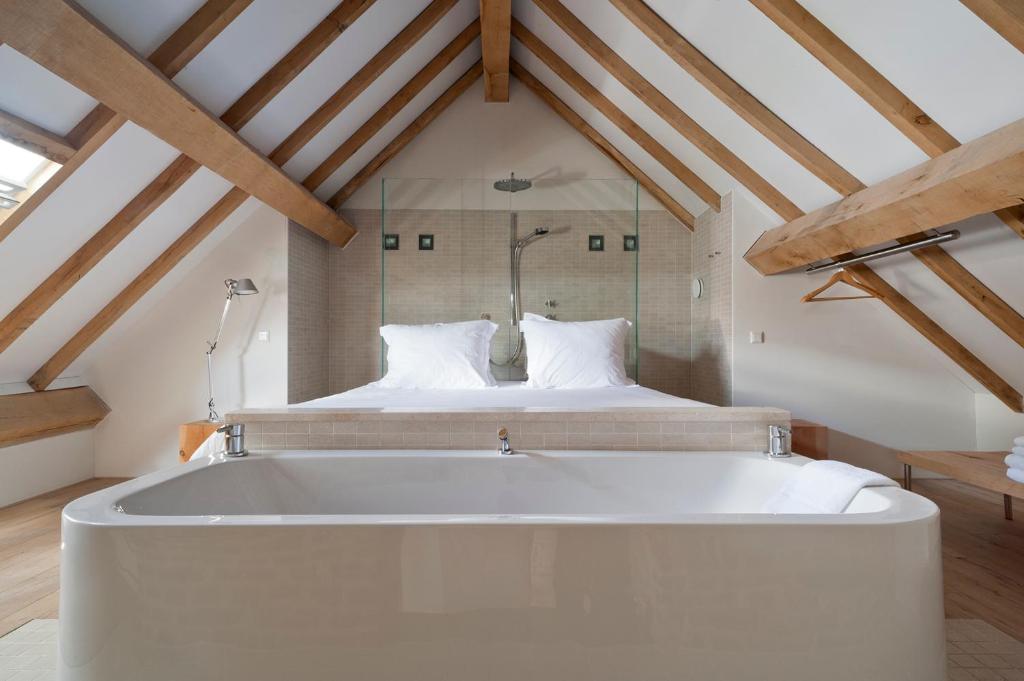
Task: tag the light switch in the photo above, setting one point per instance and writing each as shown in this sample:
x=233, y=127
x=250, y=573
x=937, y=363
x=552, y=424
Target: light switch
x=264, y=336
x=757, y=336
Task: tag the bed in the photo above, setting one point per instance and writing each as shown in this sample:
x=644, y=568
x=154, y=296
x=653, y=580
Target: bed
x=507, y=395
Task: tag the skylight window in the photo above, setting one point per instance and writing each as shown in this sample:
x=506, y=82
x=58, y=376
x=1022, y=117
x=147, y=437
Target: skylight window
x=18, y=167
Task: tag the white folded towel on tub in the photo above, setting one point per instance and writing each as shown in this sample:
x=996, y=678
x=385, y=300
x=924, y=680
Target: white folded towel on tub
x=1015, y=474
x=823, y=487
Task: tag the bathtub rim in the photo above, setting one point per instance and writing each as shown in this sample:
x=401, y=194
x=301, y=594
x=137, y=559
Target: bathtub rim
x=100, y=508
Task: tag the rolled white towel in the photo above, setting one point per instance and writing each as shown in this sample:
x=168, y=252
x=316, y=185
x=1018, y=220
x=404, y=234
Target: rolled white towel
x=1015, y=460
x=1015, y=474
x=1018, y=441
x=1017, y=450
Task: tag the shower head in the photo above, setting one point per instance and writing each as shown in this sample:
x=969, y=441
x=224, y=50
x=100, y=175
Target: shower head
x=512, y=184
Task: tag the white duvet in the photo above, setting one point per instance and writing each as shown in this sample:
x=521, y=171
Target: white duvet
x=507, y=395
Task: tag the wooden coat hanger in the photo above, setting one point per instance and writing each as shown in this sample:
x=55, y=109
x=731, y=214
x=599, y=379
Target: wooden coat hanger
x=844, y=277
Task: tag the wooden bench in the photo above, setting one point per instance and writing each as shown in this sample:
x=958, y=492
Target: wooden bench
x=809, y=439
x=981, y=469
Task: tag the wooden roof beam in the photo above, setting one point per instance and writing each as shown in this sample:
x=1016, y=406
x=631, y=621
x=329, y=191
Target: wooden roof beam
x=408, y=134
x=32, y=416
x=978, y=177
x=101, y=123
x=617, y=116
x=62, y=38
x=292, y=64
x=390, y=109
x=746, y=106
x=165, y=184
x=871, y=85
x=194, y=235
x=603, y=145
x=363, y=78
x=669, y=112
x=30, y=136
x=495, y=43
x=139, y=286
x=935, y=334
x=1006, y=17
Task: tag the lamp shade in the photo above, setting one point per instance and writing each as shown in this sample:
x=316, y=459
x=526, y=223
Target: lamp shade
x=243, y=287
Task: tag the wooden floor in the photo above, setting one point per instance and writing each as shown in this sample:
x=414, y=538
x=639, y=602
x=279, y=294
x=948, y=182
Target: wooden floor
x=30, y=554
x=983, y=555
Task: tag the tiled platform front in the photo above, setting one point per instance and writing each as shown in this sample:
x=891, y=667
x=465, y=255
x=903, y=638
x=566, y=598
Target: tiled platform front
x=685, y=429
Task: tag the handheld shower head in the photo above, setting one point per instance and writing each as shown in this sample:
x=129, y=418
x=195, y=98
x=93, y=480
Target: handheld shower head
x=535, y=234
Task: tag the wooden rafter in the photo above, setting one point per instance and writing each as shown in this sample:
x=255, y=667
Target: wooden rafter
x=616, y=115
x=30, y=136
x=599, y=141
x=355, y=85
x=64, y=39
x=390, y=109
x=669, y=112
x=101, y=123
x=131, y=294
x=871, y=85
x=978, y=177
x=737, y=98
x=963, y=357
x=32, y=416
x=981, y=297
x=408, y=134
x=292, y=64
x=19, y=319
x=495, y=18
x=156, y=192
x=121, y=303
x=913, y=122
x=1006, y=17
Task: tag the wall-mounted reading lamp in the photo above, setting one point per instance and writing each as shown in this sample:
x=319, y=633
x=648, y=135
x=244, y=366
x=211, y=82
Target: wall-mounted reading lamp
x=236, y=287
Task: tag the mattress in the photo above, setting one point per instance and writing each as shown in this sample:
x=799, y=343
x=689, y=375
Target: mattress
x=507, y=395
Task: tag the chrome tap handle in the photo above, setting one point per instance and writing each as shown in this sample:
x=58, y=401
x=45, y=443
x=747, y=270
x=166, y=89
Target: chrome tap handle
x=234, y=439
x=779, y=442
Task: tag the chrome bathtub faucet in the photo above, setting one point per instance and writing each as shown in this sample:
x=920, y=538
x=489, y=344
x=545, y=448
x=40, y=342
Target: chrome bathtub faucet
x=503, y=446
x=779, y=442
x=234, y=439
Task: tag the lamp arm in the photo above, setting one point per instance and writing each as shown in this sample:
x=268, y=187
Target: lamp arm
x=212, y=345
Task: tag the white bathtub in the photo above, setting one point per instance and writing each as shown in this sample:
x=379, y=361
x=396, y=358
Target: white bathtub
x=467, y=565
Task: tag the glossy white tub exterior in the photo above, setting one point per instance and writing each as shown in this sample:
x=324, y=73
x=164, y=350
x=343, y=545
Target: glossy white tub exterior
x=466, y=565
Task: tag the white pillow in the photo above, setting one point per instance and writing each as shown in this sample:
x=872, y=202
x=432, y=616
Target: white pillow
x=448, y=356
x=575, y=354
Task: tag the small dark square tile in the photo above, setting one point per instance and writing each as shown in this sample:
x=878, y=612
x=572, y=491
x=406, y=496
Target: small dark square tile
x=630, y=242
x=390, y=242
x=426, y=242
x=596, y=242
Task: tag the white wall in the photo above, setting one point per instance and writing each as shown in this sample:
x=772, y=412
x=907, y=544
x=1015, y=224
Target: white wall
x=39, y=466
x=851, y=365
x=477, y=140
x=152, y=370
x=996, y=425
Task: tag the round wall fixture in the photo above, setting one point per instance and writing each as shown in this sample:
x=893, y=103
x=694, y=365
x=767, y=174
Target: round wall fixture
x=697, y=287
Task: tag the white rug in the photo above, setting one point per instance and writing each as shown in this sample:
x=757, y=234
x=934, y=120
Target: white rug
x=977, y=651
